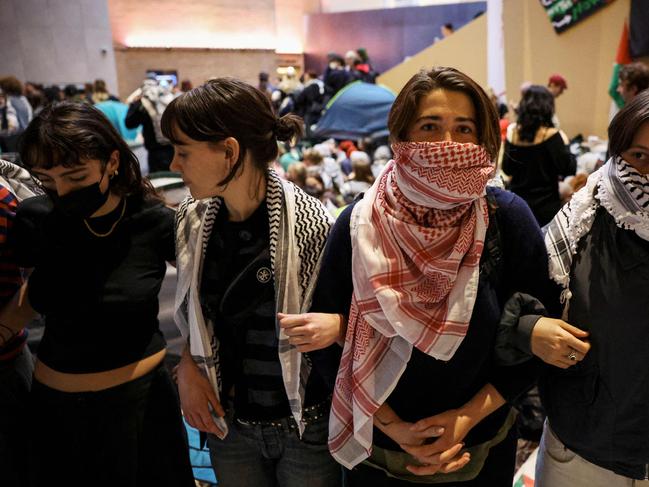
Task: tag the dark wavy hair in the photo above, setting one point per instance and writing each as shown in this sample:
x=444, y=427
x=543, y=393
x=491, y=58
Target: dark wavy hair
x=535, y=110
x=626, y=123
x=405, y=107
x=66, y=134
x=227, y=107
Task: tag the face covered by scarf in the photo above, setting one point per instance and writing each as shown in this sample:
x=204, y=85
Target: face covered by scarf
x=417, y=238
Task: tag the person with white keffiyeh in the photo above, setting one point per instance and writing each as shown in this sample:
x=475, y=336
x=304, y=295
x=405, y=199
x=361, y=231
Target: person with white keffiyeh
x=422, y=266
x=595, y=387
x=146, y=106
x=248, y=248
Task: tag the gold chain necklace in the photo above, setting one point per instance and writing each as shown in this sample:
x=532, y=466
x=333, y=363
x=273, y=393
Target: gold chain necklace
x=97, y=234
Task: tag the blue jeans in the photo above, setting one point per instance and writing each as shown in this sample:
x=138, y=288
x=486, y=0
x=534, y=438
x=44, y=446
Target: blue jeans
x=274, y=456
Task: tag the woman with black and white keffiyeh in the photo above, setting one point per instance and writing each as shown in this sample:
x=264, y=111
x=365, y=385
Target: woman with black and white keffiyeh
x=596, y=389
x=248, y=251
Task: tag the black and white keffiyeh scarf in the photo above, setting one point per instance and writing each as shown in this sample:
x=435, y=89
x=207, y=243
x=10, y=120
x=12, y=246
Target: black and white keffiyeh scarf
x=299, y=225
x=154, y=99
x=621, y=190
x=18, y=180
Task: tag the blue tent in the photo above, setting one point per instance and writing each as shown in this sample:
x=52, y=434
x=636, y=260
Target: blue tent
x=358, y=110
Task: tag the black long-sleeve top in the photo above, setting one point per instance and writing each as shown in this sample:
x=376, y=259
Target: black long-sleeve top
x=429, y=386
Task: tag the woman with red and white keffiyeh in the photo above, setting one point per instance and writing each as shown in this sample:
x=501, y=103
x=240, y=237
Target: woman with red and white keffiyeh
x=427, y=259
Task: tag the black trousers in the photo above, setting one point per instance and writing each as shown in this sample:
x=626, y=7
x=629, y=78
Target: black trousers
x=498, y=470
x=15, y=381
x=127, y=436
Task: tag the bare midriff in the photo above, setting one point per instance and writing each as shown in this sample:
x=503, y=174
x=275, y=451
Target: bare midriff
x=96, y=381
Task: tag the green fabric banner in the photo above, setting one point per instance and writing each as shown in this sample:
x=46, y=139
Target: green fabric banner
x=565, y=13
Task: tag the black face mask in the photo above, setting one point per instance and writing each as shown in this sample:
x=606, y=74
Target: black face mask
x=81, y=203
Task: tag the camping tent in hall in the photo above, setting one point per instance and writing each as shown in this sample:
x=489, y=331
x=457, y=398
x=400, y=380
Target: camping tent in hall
x=358, y=110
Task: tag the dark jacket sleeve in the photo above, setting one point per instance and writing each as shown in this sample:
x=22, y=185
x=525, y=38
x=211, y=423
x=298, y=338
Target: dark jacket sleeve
x=135, y=115
x=27, y=235
x=525, y=271
x=333, y=292
x=520, y=314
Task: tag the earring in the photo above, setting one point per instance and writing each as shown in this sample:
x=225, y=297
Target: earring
x=114, y=174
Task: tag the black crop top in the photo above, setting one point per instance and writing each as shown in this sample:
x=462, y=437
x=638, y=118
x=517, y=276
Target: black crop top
x=99, y=295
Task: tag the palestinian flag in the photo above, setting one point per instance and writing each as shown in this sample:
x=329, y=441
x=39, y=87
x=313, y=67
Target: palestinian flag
x=524, y=481
x=623, y=57
x=634, y=43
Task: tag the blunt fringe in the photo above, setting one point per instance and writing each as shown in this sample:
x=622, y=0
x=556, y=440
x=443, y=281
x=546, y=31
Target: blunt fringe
x=67, y=134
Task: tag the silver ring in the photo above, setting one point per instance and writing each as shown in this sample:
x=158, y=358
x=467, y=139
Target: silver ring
x=572, y=356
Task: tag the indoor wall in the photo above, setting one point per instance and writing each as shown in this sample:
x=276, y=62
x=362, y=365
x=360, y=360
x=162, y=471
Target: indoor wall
x=584, y=55
x=57, y=41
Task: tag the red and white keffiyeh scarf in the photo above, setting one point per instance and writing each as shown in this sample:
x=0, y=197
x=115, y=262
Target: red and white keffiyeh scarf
x=417, y=237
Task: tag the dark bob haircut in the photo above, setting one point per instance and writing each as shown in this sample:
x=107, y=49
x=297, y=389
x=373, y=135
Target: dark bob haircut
x=227, y=107
x=68, y=134
x=535, y=110
x=405, y=107
x=626, y=123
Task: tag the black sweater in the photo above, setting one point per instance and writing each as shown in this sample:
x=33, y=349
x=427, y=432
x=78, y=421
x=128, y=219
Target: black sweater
x=429, y=386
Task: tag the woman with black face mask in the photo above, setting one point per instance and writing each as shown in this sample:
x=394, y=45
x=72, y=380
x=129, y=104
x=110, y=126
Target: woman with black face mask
x=103, y=406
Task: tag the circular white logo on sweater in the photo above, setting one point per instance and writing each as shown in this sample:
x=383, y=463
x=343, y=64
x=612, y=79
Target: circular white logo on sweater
x=264, y=275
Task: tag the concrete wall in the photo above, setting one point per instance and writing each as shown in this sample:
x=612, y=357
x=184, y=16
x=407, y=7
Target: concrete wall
x=465, y=50
x=56, y=41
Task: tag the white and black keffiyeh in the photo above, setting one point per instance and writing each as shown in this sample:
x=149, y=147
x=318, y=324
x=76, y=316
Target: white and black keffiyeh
x=18, y=180
x=299, y=225
x=154, y=99
x=617, y=187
